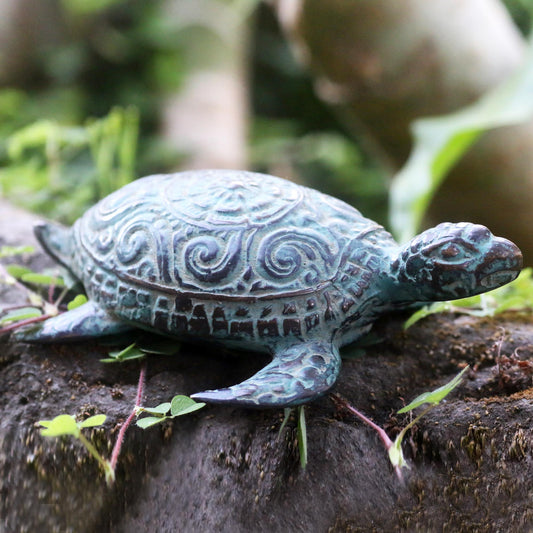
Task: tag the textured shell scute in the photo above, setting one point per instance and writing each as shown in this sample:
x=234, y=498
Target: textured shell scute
x=220, y=233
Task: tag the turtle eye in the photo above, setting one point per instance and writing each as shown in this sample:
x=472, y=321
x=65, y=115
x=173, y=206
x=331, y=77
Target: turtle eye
x=450, y=251
x=453, y=253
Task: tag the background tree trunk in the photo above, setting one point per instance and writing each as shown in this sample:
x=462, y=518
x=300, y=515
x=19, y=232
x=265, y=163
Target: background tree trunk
x=208, y=118
x=27, y=28
x=383, y=64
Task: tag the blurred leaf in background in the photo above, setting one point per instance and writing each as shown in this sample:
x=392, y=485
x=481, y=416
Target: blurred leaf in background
x=441, y=141
x=521, y=12
x=55, y=161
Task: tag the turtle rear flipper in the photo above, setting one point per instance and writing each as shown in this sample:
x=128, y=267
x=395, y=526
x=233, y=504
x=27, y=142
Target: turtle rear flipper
x=296, y=375
x=86, y=321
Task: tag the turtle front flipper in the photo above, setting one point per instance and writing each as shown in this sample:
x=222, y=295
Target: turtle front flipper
x=85, y=321
x=296, y=375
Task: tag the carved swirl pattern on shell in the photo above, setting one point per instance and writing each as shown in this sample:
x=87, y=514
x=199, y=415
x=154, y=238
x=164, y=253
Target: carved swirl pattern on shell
x=211, y=259
x=134, y=242
x=244, y=234
x=105, y=241
x=287, y=255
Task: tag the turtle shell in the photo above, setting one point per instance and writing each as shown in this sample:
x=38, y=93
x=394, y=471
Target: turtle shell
x=230, y=236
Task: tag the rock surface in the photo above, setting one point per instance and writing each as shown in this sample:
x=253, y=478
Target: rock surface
x=228, y=469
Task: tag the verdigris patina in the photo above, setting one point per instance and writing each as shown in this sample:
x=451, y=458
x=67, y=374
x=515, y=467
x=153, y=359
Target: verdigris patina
x=257, y=263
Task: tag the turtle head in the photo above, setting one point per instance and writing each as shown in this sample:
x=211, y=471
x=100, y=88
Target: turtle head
x=453, y=261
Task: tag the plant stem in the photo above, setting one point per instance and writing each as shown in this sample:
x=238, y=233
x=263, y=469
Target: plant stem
x=388, y=443
x=60, y=298
x=127, y=423
x=341, y=402
x=24, y=323
x=92, y=450
x=415, y=420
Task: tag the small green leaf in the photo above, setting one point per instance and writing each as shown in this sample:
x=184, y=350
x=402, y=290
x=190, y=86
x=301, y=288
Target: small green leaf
x=20, y=314
x=137, y=354
x=160, y=346
x=124, y=353
x=78, y=301
x=302, y=436
x=148, y=421
x=117, y=354
x=10, y=251
x=42, y=279
x=127, y=354
x=109, y=473
x=183, y=405
x=161, y=409
x=92, y=421
x=435, y=396
x=60, y=425
x=17, y=271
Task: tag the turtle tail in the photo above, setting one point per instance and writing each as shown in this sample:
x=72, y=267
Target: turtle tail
x=57, y=242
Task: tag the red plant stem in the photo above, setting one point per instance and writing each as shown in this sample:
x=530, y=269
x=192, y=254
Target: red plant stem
x=127, y=423
x=341, y=402
x=24, y=323
x=380, y=431
x=9, y=308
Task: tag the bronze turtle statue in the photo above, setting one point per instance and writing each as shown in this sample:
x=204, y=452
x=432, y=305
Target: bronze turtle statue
x=257, y=263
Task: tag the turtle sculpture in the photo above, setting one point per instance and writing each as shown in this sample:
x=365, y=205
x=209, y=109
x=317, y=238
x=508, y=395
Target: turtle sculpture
x=257, y=263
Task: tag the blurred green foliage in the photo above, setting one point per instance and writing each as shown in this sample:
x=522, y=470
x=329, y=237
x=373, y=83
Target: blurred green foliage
x=120, y=59
x=118, y=53
x=86, y=7
x=128, y=53
x=61, y=170
x=521, y=12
